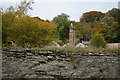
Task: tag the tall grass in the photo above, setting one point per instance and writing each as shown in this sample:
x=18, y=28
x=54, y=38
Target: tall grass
x=77, y=50
x=83, y=50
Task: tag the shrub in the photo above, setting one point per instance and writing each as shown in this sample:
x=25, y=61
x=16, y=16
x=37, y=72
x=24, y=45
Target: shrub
x=98, y=40
x=28, y=31
x=59, y=42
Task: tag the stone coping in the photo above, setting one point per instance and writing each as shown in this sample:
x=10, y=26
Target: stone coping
x=56, y=52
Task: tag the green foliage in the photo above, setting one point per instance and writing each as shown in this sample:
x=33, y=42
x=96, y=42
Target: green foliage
x=74, y=50
x=98, y=40
x=59, y=42
x=83, y=31
x=106, y=24
x=96, y=77
x=63, y=24
x=7, y=22
x=26, y=31
x=109, y=28
x=87, y=21
x=114, y=13
x=74, y=67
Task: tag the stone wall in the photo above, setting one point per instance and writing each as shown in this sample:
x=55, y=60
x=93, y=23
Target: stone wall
x=27, y=63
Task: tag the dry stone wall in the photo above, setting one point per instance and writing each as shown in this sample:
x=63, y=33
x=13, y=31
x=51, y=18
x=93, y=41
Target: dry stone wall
x=29, y=63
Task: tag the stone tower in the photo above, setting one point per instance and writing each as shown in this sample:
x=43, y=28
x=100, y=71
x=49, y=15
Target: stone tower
x=71, y=35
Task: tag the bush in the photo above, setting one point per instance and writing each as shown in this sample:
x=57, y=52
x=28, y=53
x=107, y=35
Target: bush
x=98, y=40
x=59, y=42
x=29, y=32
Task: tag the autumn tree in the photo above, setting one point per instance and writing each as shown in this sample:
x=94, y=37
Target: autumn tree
x=87, y=22
x=108, y=27
x=91, y=16
x=10, y=15
x=7, y=22
x=107, y=24
x=28, y=31
x=23, y=30
x=1, y=27
x=63, y=24
x=25, y=6
x=38, y=18
x=114, y=13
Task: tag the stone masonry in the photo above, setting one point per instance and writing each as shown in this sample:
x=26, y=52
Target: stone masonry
x=30, y=63
x=71, y=35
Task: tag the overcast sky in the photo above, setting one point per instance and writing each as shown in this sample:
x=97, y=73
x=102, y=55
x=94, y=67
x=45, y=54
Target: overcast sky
x=64, y=0
x=47, y=9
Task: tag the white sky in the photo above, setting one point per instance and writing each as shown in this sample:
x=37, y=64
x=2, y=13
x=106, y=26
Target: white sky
x=47, y=9
x=64, y=0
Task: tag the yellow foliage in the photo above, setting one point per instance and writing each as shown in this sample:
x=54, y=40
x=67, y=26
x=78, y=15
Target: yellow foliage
x=27, y=30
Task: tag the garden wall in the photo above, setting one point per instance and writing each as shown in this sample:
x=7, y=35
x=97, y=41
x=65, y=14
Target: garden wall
x=29, y=63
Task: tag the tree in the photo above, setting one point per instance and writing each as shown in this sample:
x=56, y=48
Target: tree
x=7, y=22
x=91, y=16
x=25, y=6
x=23, y=30
x=109, y=28
x=10, y=15
x=1, y=27
x=87, y=22
x=38, y=19
x=98, y=40
x=63, y=24
x=29, y=31
x=21, y=9
x=114, y=13
x=83, y=30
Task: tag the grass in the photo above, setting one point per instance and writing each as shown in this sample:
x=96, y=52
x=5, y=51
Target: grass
x=41, y=74
x=60, y=66
x=82, y=50
x=76, y=50
x=96, y=77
